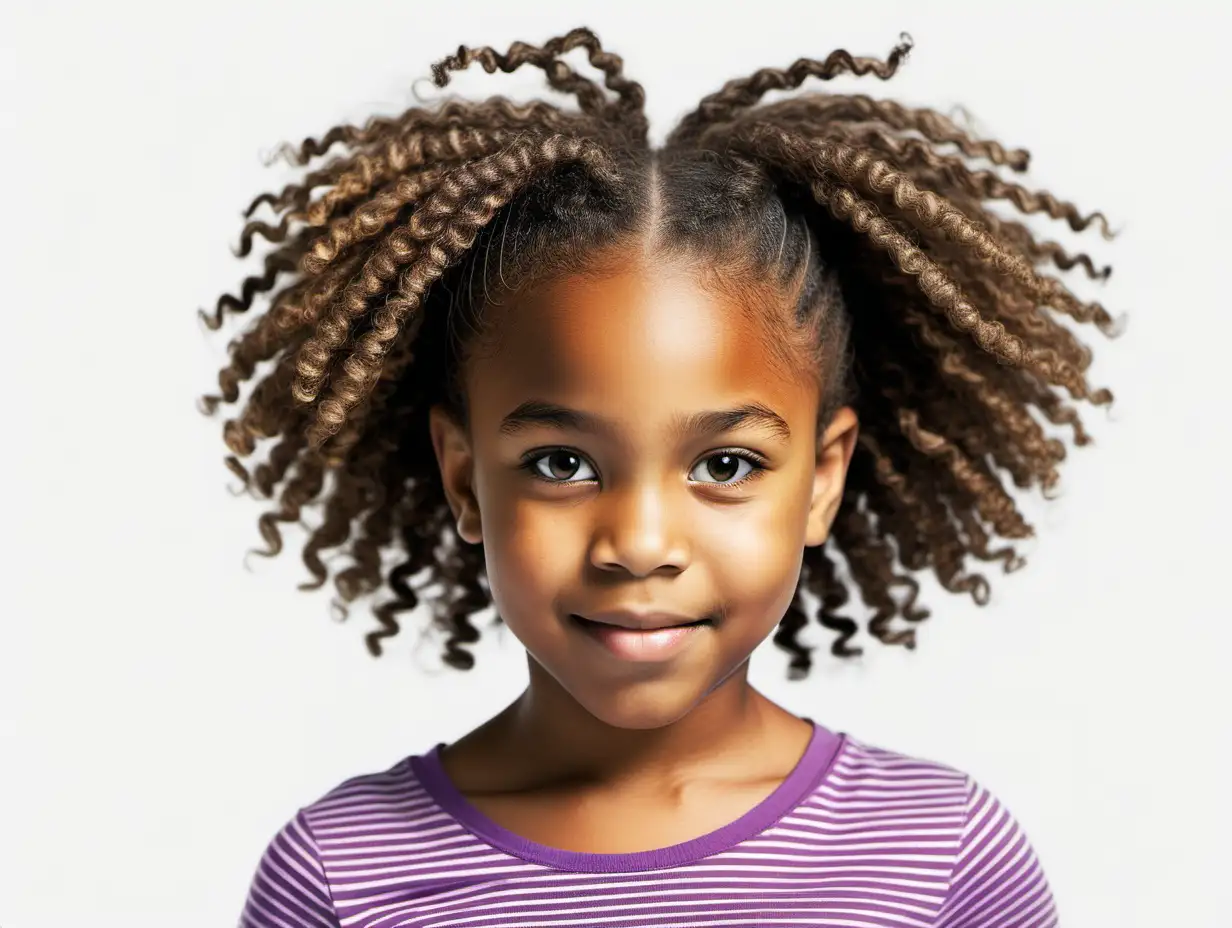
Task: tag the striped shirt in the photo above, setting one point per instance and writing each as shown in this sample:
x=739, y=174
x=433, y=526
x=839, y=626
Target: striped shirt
x=855, y=836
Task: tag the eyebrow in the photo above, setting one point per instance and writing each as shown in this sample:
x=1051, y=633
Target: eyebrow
x=539, y=413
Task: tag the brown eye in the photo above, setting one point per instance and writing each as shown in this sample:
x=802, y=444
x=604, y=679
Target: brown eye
x=724, y=468
x=561, y=465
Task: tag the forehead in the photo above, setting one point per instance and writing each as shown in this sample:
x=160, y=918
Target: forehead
x=638, y=344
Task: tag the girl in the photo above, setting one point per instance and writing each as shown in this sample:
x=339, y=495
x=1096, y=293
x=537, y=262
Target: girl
x=653, y=405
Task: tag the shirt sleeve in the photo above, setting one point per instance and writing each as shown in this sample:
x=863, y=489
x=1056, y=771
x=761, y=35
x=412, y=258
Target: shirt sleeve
x=997, y=879
x=289, y=889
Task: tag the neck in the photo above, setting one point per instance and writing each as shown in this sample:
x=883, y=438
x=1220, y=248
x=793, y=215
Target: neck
x=727, y=732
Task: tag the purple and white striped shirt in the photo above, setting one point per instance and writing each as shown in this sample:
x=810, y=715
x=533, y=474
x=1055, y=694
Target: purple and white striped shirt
x=855, y=836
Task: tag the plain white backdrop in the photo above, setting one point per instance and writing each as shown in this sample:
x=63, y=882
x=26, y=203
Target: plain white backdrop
x=163, y=711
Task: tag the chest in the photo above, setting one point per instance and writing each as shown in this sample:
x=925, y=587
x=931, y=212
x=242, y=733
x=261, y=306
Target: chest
x=784, y=878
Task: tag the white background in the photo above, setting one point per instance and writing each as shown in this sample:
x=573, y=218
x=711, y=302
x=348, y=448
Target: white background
x=163, y=711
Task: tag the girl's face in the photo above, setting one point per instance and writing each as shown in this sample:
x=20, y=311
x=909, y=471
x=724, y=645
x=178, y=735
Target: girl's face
x=594, y=484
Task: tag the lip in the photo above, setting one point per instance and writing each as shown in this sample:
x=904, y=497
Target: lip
x=640, y=621
x=657, y=640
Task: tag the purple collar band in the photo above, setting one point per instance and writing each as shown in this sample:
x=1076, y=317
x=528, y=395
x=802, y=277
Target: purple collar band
x=804, y=778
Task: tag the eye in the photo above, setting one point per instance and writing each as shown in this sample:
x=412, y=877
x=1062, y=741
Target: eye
x=724, y=467
x=560, y=465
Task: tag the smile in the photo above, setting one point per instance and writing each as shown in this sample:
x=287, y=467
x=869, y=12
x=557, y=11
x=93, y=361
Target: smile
x=658, y=644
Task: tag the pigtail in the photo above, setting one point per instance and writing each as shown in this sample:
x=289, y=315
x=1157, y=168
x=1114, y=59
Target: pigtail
x=738, y=95
x=438, y=233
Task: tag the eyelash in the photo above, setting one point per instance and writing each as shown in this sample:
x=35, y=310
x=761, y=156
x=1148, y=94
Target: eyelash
x=757, y=462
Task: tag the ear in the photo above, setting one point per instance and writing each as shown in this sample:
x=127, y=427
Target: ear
x=834, y=450
x=456, y=460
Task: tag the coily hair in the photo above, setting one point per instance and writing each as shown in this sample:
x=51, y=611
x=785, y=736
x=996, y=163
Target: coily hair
x=935, y=318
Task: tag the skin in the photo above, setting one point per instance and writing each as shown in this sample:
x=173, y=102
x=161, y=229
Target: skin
x=636, y=516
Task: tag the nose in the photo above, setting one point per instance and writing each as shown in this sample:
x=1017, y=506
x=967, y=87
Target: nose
x=636, y=533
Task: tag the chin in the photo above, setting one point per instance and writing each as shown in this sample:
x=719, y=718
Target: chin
x=641, y=706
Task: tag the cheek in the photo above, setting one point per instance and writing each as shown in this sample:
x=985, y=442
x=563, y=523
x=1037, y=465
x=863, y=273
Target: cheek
x=754, y=553
x=755, y=560
x=530, y=556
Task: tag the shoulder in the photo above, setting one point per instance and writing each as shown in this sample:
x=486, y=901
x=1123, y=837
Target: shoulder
x=289, y=887
x=378, y=789
x=292, y=884
x=361, y=809
x=995, y=876
x=863, y=771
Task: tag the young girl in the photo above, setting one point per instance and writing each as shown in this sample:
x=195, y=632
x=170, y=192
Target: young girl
x=654, y=405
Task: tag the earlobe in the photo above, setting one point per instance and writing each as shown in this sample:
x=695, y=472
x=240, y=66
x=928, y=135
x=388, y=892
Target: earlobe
x=834, y=451
x=455, y=459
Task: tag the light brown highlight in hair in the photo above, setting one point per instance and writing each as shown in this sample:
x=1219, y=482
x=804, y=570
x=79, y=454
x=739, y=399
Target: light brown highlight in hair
x=939, y=319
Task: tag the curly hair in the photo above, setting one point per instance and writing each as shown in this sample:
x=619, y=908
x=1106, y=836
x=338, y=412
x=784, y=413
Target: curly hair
x=927, y=312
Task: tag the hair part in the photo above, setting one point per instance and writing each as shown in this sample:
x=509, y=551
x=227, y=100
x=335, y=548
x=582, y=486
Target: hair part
x=861, y=223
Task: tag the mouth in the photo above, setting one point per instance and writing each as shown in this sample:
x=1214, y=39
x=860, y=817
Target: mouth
x=655, y=645
x=654, y=628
